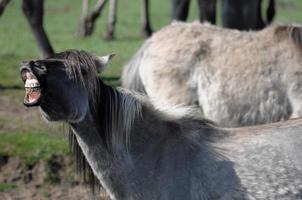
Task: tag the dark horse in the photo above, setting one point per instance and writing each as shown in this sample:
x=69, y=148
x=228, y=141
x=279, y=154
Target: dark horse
x=138, y=152
x=237, y=14
x=34, y=11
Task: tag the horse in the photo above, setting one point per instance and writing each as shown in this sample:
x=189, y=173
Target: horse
x=136, y=151
x=33, y=11
x=207, y=10
x=235, y=78
x=246, y=14
x=236, y=14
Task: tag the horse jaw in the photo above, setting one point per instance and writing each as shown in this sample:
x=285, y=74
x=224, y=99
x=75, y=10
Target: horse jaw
x=77, y=116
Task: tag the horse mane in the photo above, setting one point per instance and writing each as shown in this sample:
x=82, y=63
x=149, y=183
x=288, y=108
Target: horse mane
x=75, y=61
x=115, y=112
x=294, y=32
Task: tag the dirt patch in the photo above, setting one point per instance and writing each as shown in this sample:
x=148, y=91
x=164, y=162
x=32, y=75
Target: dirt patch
x=54, y=178
x=15, y=117
x=51, y=179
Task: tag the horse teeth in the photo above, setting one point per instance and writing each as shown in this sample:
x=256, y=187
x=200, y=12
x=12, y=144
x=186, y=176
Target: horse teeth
x=32, y=83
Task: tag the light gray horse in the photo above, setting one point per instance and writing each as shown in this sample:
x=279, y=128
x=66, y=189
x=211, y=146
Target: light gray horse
x=236, y=78
x=138, y=152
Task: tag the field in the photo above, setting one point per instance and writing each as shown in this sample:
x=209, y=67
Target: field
x=24, y=137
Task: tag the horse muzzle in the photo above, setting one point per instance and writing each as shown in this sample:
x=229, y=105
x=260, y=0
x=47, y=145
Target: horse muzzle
x=33, y=89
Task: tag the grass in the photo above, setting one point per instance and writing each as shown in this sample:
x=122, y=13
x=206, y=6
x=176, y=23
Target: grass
x=31, y=147
x=7, y=187
x=61, y=21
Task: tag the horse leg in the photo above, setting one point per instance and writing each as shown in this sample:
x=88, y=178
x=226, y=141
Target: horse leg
x=146, y=29
x=232, y=14
x=260, y=24
x=88, y=21
x=3, y=4
x=111, y=19
x=33, y=10
x=270, y=12
x=83, y=29
x=180, y=9
x=207, y=10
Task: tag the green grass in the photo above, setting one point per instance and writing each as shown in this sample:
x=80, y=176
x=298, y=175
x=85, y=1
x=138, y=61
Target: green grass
x=31, y=147
x=7, y=187
x=61, y=22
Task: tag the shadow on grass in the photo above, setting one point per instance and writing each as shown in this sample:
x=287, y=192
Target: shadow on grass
x=110, y=78
x=128, y=38
x=11, y=87
x=113, y=81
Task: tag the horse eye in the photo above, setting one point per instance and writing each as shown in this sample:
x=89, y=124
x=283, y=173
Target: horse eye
x=40, y=67
x=83, y=70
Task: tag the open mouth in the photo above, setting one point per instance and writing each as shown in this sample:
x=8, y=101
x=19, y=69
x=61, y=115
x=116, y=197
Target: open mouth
x=32, y=88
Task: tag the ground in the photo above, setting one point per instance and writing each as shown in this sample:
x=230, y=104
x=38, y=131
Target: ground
x=35, y=162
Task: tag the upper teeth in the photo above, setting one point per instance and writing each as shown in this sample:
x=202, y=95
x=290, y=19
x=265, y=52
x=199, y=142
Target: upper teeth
x=31, y=83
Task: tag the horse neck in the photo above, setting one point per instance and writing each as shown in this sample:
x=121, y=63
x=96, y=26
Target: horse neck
x=93, y=151
x=102, y=137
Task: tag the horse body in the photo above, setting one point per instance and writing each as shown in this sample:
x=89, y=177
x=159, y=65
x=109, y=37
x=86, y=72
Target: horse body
x=264, y=165
x=138, y=152
x=237, y=78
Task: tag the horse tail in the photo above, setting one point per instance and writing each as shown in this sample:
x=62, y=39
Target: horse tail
x=130, y=76
x=270, y=12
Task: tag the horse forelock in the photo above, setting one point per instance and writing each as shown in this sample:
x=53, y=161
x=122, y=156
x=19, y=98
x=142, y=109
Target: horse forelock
x=77, y=61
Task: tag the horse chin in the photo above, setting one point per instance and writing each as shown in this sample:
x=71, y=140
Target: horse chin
x=47, y=116
x=51, y=117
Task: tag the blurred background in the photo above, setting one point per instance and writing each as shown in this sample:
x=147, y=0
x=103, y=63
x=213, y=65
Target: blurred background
x=34, y=156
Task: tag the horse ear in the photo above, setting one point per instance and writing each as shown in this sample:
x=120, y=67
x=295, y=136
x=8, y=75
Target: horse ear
x=296, y=34
x=102, y=61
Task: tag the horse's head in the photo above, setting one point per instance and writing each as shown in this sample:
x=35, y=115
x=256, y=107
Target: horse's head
x=61, y=84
